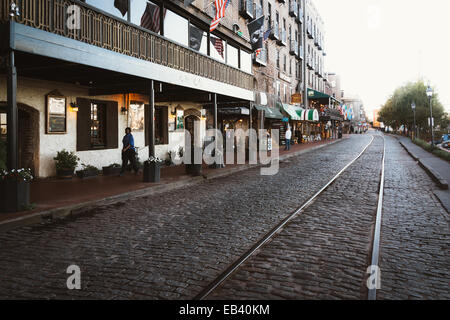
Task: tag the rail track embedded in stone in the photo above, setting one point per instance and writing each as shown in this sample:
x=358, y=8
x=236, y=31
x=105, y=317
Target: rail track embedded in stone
x=280, y=226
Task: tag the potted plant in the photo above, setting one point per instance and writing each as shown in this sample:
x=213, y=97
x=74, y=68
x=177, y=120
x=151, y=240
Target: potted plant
x=88, y=171
x=66, y=163
x=15, y=189
x=112, y=169
x=152, y=168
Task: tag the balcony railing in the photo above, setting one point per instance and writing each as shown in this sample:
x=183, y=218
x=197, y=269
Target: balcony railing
x=274, y=32
x=261, y=59
x=115, y=35
x=293, y=8
x=246, y=9
x=293, y=50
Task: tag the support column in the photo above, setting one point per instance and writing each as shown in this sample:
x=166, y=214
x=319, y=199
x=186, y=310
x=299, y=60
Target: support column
x=250, y=124
x=215, y=125
x=151, y=147
x=12, y=161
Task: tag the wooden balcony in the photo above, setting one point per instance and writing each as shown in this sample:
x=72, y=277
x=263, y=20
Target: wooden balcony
x=109, y=33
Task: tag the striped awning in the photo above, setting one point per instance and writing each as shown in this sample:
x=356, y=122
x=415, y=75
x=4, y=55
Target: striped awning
x=311, y=115
x=294, y=112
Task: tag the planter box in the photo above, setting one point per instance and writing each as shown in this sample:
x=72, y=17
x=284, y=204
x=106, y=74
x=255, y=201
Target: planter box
x=111, y=171
x=14, y=195
x=64, y=173
x=84, y=174
x=152, y=171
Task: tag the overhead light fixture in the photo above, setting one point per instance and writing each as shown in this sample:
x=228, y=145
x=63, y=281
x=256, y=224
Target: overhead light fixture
x=74, y=107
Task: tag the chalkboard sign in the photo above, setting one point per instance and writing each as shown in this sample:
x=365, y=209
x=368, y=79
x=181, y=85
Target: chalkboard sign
x=56, y=109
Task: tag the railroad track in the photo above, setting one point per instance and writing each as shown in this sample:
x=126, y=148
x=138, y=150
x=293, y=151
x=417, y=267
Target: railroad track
x=279, y=228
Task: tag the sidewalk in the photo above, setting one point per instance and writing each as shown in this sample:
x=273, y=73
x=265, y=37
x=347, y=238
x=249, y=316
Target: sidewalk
x=437, y=168
x=55, y=198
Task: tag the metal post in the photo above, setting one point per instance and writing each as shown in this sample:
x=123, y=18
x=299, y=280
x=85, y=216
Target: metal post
x=431, y=123
x=415, y=130
x=215, y=124
x=12, y=115
x=305, y=85
x=151, y=147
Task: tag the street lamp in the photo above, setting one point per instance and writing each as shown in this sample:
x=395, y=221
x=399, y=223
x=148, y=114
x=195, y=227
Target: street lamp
x=413, y=107
x=430, y=95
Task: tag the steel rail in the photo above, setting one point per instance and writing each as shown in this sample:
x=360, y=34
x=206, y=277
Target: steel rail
x=277, y=229
x=376, y=237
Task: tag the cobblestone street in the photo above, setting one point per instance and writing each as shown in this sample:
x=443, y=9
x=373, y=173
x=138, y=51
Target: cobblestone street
x=172, y=245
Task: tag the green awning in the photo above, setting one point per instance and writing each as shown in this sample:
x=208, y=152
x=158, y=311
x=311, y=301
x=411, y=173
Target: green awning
x=291, y=110
x=313, y=94
x=271, y=113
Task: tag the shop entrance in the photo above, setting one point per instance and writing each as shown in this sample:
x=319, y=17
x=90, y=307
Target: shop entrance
x=28, y=138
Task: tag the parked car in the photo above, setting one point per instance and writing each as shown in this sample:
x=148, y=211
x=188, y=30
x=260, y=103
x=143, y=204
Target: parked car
x=444, y=138
x=446, y=144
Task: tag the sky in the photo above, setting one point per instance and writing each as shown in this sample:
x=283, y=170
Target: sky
x=379, y=45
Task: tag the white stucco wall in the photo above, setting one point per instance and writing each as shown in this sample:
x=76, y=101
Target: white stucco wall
x=32, y=93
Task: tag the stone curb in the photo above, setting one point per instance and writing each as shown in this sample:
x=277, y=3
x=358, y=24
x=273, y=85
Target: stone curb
x=441, y=182
x=73, y=210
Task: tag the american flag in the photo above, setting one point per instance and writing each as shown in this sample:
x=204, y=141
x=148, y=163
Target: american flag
x=150, y=19
x=218, y=44
x=221, y=5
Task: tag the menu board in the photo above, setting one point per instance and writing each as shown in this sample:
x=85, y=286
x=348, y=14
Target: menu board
x=56, y=114
x=282, y=132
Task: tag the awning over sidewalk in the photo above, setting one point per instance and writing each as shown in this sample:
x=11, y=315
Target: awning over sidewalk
x=271, y=113
x=294, y=112
x=234, y=111
x=311, y=115
x=313, y=94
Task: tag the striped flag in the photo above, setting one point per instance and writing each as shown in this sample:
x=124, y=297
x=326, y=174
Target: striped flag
x=221, y=5
x=150, y=19
x=218, y=45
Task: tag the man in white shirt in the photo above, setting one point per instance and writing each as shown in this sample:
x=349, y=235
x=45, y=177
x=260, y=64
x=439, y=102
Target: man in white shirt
x=288, y=138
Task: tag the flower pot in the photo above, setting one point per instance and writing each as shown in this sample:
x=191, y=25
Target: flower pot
x=64, y=173
x=14, y=195
x=111, y=171
x=152, y=172
x=84, y=174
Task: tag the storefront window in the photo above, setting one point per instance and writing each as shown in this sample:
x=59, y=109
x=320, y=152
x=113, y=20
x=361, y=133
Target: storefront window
x=3, y=125
x=217, y=48
x=246, y=61
x=146, y=14
x=176, y=28
x=98, y=125
x=233, y=56
x=118, y=8
x=198, y=39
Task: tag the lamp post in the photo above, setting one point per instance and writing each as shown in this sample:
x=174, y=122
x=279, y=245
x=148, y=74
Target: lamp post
x=430, y=95
x=413, y=107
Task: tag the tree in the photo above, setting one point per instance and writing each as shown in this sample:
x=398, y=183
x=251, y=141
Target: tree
x=397, y=109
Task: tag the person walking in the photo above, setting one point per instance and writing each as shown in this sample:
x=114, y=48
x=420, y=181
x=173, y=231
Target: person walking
x=128, y=152
x=288, y=138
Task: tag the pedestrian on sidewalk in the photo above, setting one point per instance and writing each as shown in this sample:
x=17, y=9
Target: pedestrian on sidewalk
x=128, y=152
x=288, y=138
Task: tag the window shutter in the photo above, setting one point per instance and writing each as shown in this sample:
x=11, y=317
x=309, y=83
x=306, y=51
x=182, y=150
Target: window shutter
x=147, y=123
x=112, y=125
x=165, y=125
x=83, y=124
